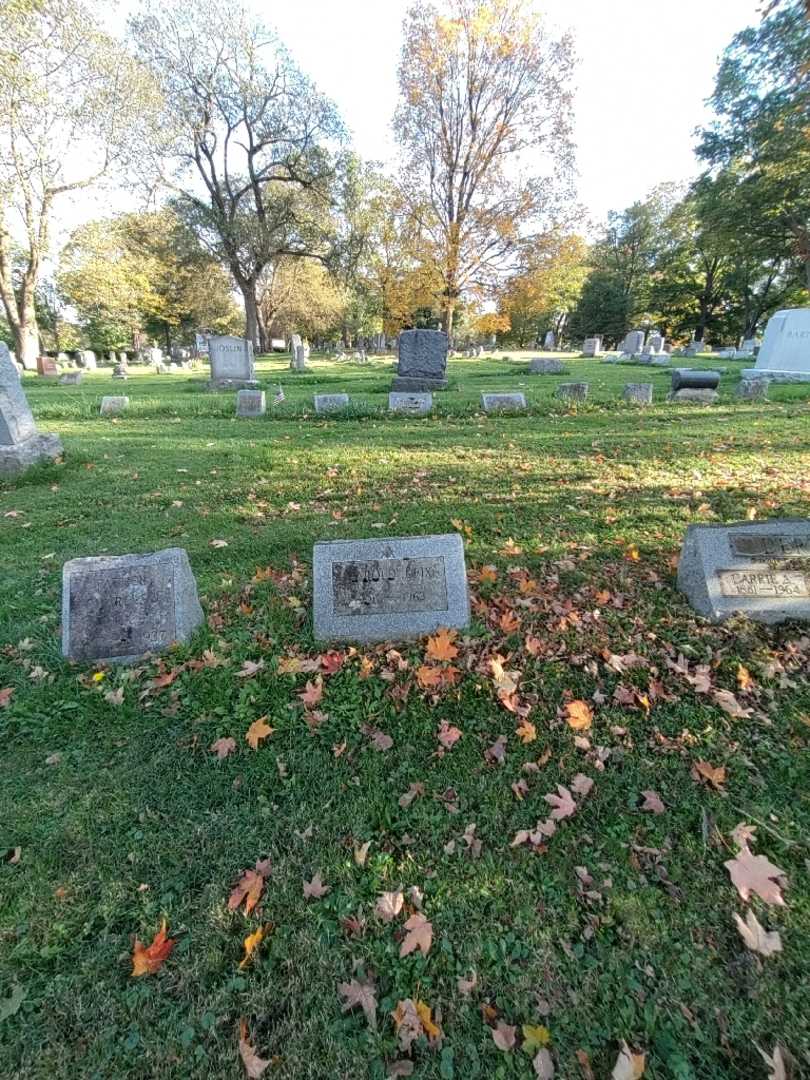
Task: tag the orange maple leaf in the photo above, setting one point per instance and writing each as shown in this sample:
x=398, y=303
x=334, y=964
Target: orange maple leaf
x=429, y=677
x=526, y=732
x=441, y=647
x=702, y=770
x=249, y=889
x=578, y=715
x=150, y=959
x=488, y=574
x=257, y=731
x=509, y=622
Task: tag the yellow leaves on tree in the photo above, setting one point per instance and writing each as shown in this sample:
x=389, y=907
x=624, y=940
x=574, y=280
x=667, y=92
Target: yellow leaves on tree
x=146, y=960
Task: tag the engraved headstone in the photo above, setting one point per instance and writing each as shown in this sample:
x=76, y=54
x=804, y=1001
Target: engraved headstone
x=71, y=378
x=758, y=569
x=572, y=391
x=113, y=405
x=591, y=346
x=21, y=445
x=753, y=389
x=422, y=361
x=656, y=342
x=232, y=366
x=503, y=402
x=638, y=393
x=47, y=366
x=416, y=404
x=250, y=403
x=201, y=344
x=550, y=341
x=326, y=403
x=785, y=352
x=87, y=359
x=121, y=371
x=118, y=608
x=633, y=342
x=389, y=589
x=544, y=366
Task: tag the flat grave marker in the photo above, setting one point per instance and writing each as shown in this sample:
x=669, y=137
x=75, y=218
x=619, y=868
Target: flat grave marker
x=415, y=404
x=389, y=589
x=542, y=366
x=326, y=403
x=113, y=405
x=250, y=403
x=759, y=569
x=572, y=391
x=503, y=402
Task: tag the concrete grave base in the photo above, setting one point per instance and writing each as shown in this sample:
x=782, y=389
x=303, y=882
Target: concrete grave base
x=117, y=609
x=20, y=456
x=406, y=384
x=695, y=397
x=232, y=384
x=775, y=375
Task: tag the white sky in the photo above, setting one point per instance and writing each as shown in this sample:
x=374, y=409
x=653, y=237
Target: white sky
x=646, y=68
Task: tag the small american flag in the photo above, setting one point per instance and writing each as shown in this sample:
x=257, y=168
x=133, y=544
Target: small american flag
x=279, y=397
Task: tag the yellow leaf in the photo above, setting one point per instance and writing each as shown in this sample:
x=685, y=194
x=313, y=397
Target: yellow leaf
x=534, y=1037
x=257, y=731
x=423, y=1011
x=251, y=943
x=526, y=732
x=578, y=715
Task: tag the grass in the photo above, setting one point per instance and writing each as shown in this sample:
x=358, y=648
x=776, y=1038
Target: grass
x=134, y=819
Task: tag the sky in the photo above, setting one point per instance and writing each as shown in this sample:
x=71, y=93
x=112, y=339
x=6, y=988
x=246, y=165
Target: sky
x=645, y=70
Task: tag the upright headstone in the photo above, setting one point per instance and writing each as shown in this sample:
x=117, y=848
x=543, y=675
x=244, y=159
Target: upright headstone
x=753, y=389
x=121, y=371
x=503, y=402
x=694, y=348
x=278, y=344
x=299, y=359
x=113, y=405
x=46, y=366
x=21, y=445
x=87, y=359
x=232, y=366
x=758, y=569
x=119, y=608
x=328, y=403
x=154, y=355
x=250, y=403
x=550, y=341
x=543, y=366
x=71, y=378
x=63, y=358
x=638, y=393
x=201, y=344
x=422, y=361
x=785, y=352
x=591, y=346
x=572, y=391
x=416, y=404
x=389, y=589
x=633, y=342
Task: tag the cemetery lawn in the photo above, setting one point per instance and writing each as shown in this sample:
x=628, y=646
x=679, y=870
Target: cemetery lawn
x=618, y=927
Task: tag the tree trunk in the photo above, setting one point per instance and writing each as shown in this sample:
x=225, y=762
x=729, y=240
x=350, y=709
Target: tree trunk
x=26, y=339
x=168, y=339
x=248, y=289
x=447, y=318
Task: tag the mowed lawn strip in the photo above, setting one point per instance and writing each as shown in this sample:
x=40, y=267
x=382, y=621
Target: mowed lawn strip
x=617, y=927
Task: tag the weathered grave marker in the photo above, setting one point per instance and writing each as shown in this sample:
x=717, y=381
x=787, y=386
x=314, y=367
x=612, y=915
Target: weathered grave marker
x=46, y=366
x=71, y=378
x=691, y=385
x=638, y=393
x=503, y=402
x=422, y=361
x=119, y=608
x=113, y=405
x=760, y=569
x=232, y=366
x=389, y=588
x=21, y=444
x=250, y=403
x=543, y=366
x=326, y=403
x=591, y=346
x=753, y=389
x=572, y=391
x=416, y=404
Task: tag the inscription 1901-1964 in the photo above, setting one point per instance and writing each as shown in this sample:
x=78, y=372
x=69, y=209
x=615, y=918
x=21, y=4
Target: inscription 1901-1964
x=383, y=586
x=770, y=546
x=766, y=584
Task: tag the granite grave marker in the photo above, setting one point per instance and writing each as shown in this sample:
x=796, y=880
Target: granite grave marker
x=21, y=444
x=416, y=404
x=232, y=365
x=503, y=402
x=422, y=364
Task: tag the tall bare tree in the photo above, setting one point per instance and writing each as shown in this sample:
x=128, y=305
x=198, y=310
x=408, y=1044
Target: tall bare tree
x=71, y=102
x=247, y=138
x=484, y=124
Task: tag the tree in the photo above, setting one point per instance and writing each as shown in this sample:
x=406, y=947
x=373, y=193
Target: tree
x=603, y=308
x=248, y=135
x=300, y=296
x=761, y=102
x=485, y=93
x=547, y=289
x=72, y=103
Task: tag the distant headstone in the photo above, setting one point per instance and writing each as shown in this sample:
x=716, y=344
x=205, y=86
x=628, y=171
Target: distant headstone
x=154, y=356
x=543, y=366
x=746, y=349
x=232, y=366
x=727, y=353
x=201, y=344
x=113, y=405
x=656, y=342
x=71, y=378
x=422, y=362
x=389, y=589
x=326, y=403
x=278, y=344
x=753, y=389
x=758, y=569
x=572, y=391
x=118, y=608
x=633, y=342
x=639, y=393
x=121, y=371
x=550, y=341
x=295, y=342
x=21, y=444
x=47, y=367
x=693, y=348
x=591, y=346
x=661, y=361
x=503, y=402
x=416, y=404
x=250, y=403
x=87, y=359
x=785, y=352
x=692, y=379
x=63, y=358
x=299, y=359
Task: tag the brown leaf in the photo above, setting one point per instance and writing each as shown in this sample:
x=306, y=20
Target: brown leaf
x=585, y=1065
x=755, y=873
x=702, y=770
x=360, y=993
x=496, y=754
x=429, y=677
x=249, y=887
x=466, y=986
x=775, y=1062
x=448, y=735
x=440, y=646
x=543, y=1065
x=5, y=696
x=652, y=802
x=315, y=889
x=407, y=1023
x=578, y=715
x=254, y=1065
x=728, y=702
x=412, y=793
x=313, y=693
x=361, y=853
x=250, y=668
x=582, y=785
x=756, y=937
x=504, y=1036
x=563, y=805
x=389, y=905
x=419, y=936
x=222, y=747
x=526, y=732
x=379, y=740
x=147, y=960
x=629, y=1065
x=258, y=731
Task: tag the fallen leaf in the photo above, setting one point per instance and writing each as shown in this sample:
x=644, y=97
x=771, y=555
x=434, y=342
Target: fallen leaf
x=53, y=759
x=629, y=1066
x=744, y=680
x=534, y=1037
x=5, y=696
x=582, y=785
x=504, y=1036
x=315, y=889
x=249, y=887
x=756, y=937
x=407, y=1022
x=389, y=905
x=466, y=986
x=402, y=1067
x=440, y=646
x=150, y=959
x=419, y=936
x=543, y=1065
x=379, y=740
x=412, y=793
x=448, y=735
x=115, y=697
x=563, y=805
x=218, y=543
x=222, y=747
x=652, y=802
x=496, y=754
x=313, y=693
x=363, y=994
x=702, y=770
x=775, y=1062
x=526, y=732
x=250, y=668
x=429, y=677
x=755, y=873
x=12, y=856
x=258, y=731
x=578, y=715
x=585, y=1065
x=423, y=1011
x=254, y=1065
x=728, y=702
x=361, y=853
x=251, y=943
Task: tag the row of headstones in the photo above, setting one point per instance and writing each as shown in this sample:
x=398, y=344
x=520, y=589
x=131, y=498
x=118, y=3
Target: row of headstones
x=400, y=588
